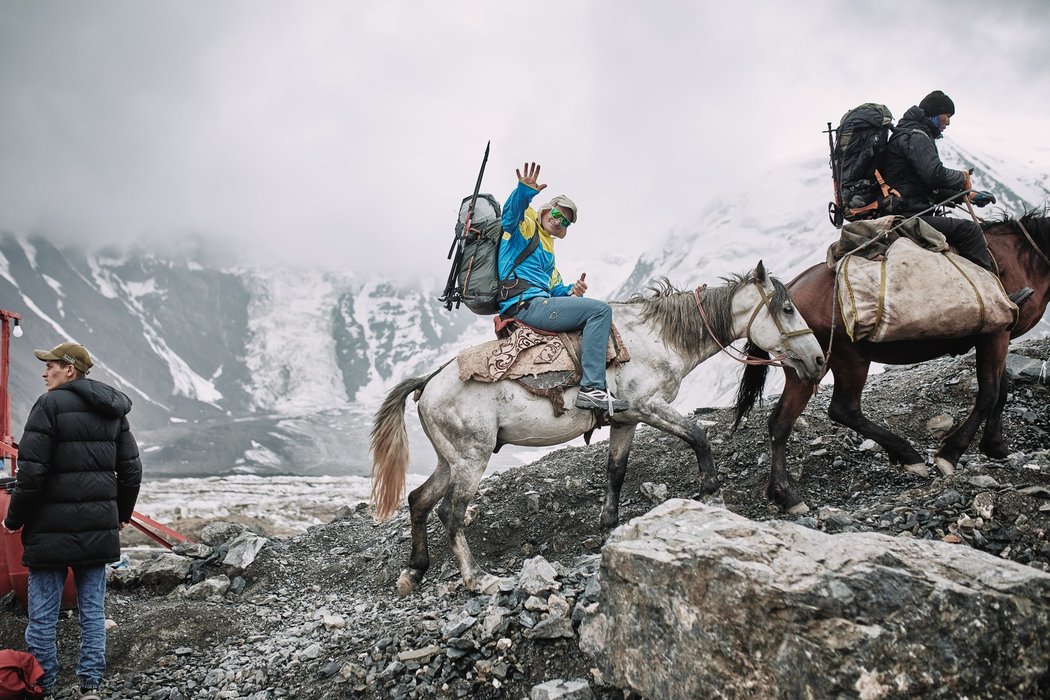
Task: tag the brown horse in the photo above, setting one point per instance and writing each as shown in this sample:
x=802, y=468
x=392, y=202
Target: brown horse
x=1021, y=250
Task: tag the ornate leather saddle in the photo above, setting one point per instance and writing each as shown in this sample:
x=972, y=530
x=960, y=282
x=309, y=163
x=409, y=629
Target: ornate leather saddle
x=544, y=362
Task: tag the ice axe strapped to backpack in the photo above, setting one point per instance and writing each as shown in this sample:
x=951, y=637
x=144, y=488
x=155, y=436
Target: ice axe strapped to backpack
x=857, y=147
x=474, y=278
x=453, y=289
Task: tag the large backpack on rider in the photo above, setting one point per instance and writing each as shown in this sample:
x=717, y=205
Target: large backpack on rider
x=858, y=148
x=474, y=279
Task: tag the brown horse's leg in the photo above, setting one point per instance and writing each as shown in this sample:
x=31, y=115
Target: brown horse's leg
x=991, y=363
x=661, y=416
x=992, y=442
x=851, y=372
x=620, y=439
x=420, y=502
x=781, y=421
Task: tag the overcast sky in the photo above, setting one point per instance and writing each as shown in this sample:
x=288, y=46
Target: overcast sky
x=345, y=133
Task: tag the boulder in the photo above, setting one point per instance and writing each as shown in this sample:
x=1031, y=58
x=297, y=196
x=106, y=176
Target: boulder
x=165, y=571
x=209, y=589
x=537, y=576
x=220, y=532
x=559, y=689
x=243, y=550
x=736, y=608
x=1027, y=370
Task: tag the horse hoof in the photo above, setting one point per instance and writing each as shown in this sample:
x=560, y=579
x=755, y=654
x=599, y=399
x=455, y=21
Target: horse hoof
x=995, y=451
x=710, y=499
x=782, y=498
x=708, y=488
x=406, y=583
x=946, y=467
x=919, y=469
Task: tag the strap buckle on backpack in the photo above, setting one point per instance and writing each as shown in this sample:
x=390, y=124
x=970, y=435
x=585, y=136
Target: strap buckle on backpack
x=873, y=207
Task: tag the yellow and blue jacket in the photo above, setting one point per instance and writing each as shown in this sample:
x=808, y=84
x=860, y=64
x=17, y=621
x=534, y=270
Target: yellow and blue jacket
x=520, y=224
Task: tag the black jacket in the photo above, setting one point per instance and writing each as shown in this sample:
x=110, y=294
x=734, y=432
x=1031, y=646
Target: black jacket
x=78, y=476
x=913, y=167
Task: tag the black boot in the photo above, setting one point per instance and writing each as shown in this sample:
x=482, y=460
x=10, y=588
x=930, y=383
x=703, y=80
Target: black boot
x=1022, y=295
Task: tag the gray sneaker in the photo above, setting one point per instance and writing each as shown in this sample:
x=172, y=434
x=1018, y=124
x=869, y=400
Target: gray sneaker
x=601, y=400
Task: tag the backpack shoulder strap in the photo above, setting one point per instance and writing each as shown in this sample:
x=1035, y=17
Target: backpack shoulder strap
x=533, y=243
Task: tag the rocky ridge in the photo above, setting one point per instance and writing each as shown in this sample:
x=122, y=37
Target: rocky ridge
x=316, y=615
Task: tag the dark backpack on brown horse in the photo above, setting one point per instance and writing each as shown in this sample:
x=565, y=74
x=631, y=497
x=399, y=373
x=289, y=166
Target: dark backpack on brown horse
x=858, y=149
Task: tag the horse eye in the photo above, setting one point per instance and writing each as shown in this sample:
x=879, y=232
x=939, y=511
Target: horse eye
x=789, y=309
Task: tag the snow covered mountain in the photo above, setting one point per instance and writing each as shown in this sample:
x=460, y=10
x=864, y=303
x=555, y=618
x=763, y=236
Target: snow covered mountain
x=278, y=371
x=259, y=370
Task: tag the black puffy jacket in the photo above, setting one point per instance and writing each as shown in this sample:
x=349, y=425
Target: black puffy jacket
x=913, y=167
x=78, y=476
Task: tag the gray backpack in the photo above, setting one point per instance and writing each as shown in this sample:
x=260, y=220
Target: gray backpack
x=474, y=278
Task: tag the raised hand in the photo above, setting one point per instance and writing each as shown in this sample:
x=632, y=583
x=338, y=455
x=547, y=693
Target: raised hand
x=532, y=173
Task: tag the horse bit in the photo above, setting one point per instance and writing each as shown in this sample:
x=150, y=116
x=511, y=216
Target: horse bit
x=741, y=356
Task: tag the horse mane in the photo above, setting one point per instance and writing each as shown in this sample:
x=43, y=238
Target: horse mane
x=1035, y=222
x=674, y=313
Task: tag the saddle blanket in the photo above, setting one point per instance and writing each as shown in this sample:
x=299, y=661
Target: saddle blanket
x=912, y=293
x=526, y=352
x=871, y=238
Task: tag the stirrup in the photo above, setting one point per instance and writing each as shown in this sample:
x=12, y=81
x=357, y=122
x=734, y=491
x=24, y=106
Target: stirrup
x=1022, y=295
x=586, y=399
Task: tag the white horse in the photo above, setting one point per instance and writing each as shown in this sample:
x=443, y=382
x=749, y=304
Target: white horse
x=667, y=334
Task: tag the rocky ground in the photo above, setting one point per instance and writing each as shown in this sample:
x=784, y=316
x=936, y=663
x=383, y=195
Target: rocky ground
x=316, y=615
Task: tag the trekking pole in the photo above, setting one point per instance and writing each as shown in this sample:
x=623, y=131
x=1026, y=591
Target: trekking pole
x=969, y=207
x=931, y=210
x=835, y=212
x=966, y=198
x=451, y=294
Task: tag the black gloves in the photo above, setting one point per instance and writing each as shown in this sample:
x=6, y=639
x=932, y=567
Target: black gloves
x=983, y=199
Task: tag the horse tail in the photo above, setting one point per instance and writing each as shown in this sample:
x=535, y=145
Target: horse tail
x=752, y=382
x=389, y=448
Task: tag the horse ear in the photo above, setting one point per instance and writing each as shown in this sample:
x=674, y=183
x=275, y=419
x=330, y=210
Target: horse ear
x=760, y=273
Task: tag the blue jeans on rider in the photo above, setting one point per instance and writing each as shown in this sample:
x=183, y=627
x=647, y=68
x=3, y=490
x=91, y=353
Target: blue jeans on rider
x=570, y=313
x=45, y=599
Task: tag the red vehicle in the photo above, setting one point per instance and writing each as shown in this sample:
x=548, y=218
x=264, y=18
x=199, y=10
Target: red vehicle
x=13, y=575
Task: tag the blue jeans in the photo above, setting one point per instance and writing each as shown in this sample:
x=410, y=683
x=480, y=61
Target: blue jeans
x=571, y=313
x=45, y=599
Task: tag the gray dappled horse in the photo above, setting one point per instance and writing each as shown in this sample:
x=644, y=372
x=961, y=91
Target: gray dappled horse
x=667, y=334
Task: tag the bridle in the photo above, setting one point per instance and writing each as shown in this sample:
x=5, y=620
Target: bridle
x=1032, y=241
x=740, y=356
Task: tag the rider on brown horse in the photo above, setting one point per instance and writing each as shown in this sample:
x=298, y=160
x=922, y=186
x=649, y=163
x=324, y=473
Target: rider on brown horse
x=914, y=169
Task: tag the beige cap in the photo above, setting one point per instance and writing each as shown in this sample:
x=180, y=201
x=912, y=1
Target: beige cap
x=562, y=202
